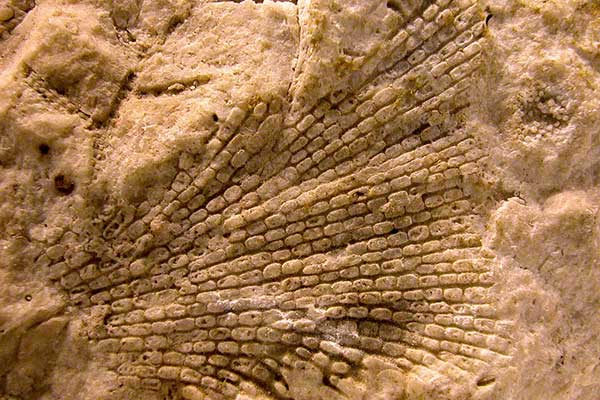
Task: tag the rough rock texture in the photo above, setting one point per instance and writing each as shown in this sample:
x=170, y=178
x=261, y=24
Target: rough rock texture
x=319, y=199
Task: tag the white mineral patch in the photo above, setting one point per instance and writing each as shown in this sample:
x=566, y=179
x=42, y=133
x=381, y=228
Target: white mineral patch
x=308, y=200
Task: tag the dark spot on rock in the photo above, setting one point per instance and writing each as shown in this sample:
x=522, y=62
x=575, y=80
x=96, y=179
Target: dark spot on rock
x=174, y=22
x=28, y=297
x=485, y=381
x=393, y=6
x=488, y=18
x=357, y=195
x=327, y=381
x=215, y=117
x=63, y=184
x=44, y=148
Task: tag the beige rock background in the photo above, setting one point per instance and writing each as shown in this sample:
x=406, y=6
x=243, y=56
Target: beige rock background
x=547, y=235
x=96, y=98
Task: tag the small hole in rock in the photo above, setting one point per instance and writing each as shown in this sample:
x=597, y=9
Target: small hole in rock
x=392, y=6
x=488, y=18
x=327, y=380
x=486, y=380
x=63, y=184
x=173, y=24
x=28, y=297
x=357, y=195
x=215, y=117
x=44, y=148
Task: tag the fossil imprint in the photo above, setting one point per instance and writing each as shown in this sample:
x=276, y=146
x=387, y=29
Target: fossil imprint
x=321, y=244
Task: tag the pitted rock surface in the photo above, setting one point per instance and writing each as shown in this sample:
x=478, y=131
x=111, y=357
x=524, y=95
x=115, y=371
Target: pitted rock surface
x=264, y=200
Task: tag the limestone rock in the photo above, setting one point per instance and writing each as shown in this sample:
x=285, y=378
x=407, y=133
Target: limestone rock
x=323, y=199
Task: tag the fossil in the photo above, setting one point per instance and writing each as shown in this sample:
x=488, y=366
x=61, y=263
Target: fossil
x=316, y=243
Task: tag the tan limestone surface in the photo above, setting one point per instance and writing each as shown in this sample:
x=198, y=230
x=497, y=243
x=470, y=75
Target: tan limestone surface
x=312, y=199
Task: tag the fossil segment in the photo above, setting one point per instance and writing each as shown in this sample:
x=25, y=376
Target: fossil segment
x=11, y=15
x=316, y=242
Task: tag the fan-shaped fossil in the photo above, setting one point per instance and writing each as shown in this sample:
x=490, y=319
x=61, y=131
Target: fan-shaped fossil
x=281, y=217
